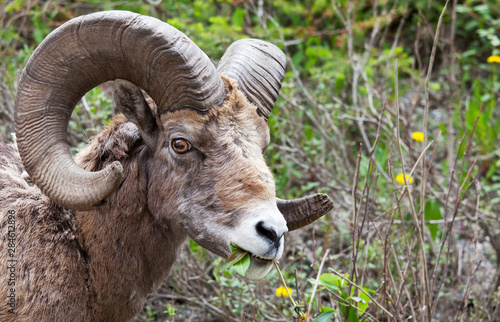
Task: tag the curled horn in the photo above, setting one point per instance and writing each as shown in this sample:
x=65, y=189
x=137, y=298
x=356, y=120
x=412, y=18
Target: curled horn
x=301, y=212
x=259, y=68
x=81, y=54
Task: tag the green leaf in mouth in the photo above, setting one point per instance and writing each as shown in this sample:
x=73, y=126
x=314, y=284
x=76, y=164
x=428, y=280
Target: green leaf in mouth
x=239, y=259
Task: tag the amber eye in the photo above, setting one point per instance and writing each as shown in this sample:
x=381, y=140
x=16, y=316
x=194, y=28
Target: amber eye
x=181, y=145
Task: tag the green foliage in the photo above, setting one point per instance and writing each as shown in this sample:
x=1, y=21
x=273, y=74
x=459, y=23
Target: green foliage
x=326, y=315
x=239, y=260
x=339, y=79
x=171, y=310
x=482, y=19
x=351, y=306
x=150, y=314
x=433, y=211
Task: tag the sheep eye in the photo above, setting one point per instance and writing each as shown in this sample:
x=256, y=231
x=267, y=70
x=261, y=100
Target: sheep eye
x=181, y=145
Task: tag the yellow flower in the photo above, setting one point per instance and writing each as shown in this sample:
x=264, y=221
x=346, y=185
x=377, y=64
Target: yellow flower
x=493, y=59
x=418, y=136
x=401, y=181
x=281, y=291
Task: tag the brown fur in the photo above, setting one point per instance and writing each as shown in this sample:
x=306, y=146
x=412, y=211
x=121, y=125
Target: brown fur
x=100, y=265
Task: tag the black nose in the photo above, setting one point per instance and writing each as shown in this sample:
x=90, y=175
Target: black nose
x=269, y=233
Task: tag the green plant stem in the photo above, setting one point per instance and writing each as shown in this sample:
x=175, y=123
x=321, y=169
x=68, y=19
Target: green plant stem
x=284, y=283
x=296, y=307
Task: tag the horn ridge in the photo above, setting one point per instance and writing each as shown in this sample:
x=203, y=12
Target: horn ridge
x=81, y=54
x=303, y=211
x=258, y=68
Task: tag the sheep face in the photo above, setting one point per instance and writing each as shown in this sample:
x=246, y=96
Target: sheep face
x=207, y=175
x=210, y=171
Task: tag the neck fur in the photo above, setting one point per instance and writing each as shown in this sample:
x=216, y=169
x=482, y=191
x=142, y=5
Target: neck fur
x=128, y=252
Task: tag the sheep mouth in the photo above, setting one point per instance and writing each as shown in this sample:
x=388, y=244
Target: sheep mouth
x=260, y=258
x=259, y=265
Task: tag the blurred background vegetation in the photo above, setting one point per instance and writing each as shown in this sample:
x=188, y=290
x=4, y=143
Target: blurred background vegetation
x=373, y=90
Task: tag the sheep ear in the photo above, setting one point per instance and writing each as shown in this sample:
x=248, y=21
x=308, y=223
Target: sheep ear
x=130, y=101
x=301, y=212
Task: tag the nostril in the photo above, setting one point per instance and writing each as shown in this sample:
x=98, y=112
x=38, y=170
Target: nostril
x=269, y=233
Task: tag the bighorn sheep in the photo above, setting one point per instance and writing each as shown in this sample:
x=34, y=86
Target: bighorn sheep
x=89, y=240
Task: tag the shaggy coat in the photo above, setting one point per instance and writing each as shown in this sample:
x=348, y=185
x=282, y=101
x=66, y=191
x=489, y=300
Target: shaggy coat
x=100, y=265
